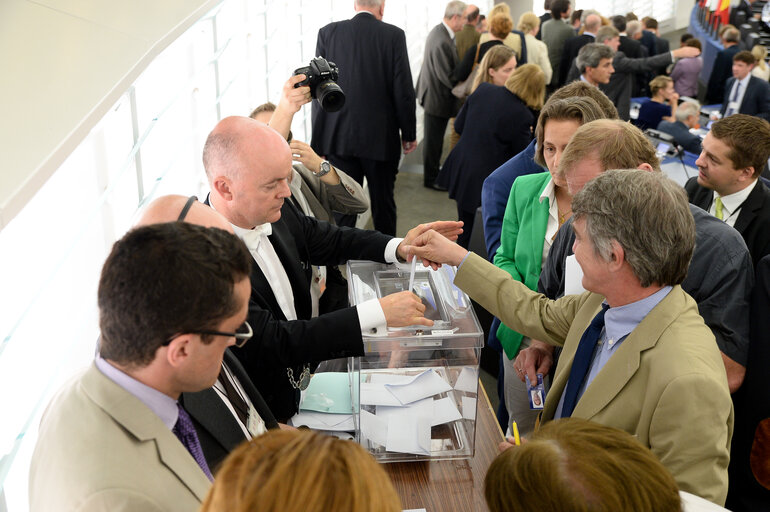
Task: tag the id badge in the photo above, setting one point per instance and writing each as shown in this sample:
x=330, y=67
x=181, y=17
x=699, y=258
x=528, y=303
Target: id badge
x=256, y=426
x=536, y=393
x=733, y=106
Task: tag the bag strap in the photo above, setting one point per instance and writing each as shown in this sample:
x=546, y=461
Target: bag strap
x=476, y=58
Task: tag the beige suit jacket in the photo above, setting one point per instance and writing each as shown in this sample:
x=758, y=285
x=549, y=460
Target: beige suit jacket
x=101, y=449
x=666, y=384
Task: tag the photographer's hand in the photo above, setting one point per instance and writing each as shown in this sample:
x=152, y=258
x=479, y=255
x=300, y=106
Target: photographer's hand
x=291, y=101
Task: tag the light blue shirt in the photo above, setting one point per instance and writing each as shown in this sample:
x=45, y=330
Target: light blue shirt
x=618, y=323
x=160, y=403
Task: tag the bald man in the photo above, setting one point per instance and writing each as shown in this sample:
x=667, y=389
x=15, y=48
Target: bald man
x=247, y=165
x=233, y=410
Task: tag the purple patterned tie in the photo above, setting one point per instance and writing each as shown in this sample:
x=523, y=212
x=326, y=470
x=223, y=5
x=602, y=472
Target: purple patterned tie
x=185, y=431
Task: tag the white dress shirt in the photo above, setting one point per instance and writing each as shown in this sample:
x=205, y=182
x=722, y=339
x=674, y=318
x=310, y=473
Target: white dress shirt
x=731, y=204
x=448, y=29
x=734, y=105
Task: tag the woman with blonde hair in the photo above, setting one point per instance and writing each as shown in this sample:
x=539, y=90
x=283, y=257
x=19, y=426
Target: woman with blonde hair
x=500, y=25
x=761, y=69
x=537, y=51
x=496, y=66
x=300, y=471
x=496, y=123
x=662, y=104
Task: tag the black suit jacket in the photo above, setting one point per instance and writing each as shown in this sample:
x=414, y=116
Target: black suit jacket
x=621, y=82
x=278, y=344
x=722, y=70
x=218, y=430
x=376, y=78
x=631, y=47
x=648, y=41
x=756, y=99
x=753, y=222
x=571, y=48
x=690, y=142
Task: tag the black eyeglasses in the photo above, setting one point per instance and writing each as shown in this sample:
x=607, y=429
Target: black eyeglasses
x=242, y=335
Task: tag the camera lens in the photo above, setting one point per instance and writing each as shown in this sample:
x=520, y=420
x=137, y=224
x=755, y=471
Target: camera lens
x=330, y=96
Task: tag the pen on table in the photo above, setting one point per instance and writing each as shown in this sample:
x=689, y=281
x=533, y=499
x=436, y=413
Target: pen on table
x=411, y=273
x=516, y=437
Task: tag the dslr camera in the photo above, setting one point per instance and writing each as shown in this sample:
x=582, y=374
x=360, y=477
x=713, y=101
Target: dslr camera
x=322, y=75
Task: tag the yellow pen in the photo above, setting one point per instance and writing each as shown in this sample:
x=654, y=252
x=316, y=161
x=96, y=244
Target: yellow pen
x=516, y=438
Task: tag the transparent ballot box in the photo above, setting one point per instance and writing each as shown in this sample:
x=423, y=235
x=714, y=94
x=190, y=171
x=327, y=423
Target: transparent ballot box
x=414, y=393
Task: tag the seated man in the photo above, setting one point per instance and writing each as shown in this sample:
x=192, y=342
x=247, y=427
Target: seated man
x=232, y=410
x=637, y=355
x=172, y=298
x=247, y=164
x=744, y=92
x=720, y=274
x=686, y=117
x=728, y=186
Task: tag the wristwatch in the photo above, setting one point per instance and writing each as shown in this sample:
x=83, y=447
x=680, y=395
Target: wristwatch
x=326, y=167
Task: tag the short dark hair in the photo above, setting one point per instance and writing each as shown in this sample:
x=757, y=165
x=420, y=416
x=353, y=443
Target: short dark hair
x=619, y=22
x=685, y=37
x=558, y=8
x=166, y=279
x=748, y=138
x=579, y=88
x=694, y=42
x=576, y=16
x=745, y=56
x=650, y=22
x=473, y=15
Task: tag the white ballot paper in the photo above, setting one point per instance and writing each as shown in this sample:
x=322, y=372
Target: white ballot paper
x=410, y=434
x=426, y=384
x=373, y=393
x=444, y=411
x=469, y=408
x=373, y=428
x=467, y=381
x=323, y=421
x=573, y=277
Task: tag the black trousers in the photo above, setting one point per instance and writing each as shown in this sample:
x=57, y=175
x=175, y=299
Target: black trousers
x=468, y=219
x=381, y=177
x=435, y=127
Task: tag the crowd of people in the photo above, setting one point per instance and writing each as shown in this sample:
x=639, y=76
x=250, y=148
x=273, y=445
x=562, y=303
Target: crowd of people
x=640, y=304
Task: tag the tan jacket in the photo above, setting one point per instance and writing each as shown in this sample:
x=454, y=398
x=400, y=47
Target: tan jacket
x=101, y=449
x=666, y=384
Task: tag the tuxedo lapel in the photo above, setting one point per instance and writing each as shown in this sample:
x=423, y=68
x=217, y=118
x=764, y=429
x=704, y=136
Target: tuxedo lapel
x=294, y=264
x=211, y=413
x=138, y=420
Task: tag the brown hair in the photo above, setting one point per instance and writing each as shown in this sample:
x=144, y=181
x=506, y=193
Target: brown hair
x=745, y=56
x=650, y=22
x=573, y=465
x=694, y=42
x=265, y=107
x=616, y=144
x=528, y=83
x=582, y=89
x=659, y=83
x=580, y=109
x=500, y=25
x=495, y=58
x=300, y=471
x=748, y=138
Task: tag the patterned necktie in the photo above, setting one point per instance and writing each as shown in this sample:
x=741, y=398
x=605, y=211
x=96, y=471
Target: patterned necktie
x=238, y=403
x=185, y=432
x=582, y=362
x=718, y=212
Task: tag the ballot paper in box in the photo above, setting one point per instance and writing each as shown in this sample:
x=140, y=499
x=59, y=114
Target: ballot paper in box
x=414, y=392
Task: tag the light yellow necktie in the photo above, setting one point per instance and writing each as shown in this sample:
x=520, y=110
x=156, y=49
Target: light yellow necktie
x=718, y=208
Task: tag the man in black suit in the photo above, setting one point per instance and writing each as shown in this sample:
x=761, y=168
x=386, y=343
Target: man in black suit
x=687, y=116
x=247, y=165
x=630, y=47
x=573, y=45
x=734, y=153
x=744, y=92
x=231, y=411
x=378, y=120
x=722, y=69
x=434, y=88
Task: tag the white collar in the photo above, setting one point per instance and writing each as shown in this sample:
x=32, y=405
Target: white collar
x=733, y=201
x=745, y=81
x=448, y=29
x=549, y=192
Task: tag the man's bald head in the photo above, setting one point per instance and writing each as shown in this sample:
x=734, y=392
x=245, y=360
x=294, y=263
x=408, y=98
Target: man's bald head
x=247, y=165
x=167, y=209
x=592, y=24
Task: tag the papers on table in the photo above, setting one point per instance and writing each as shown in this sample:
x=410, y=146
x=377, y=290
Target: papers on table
x=323, y=421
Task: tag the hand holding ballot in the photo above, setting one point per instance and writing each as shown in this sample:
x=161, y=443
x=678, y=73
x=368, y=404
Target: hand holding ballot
x=447, y=229
x=434, y=249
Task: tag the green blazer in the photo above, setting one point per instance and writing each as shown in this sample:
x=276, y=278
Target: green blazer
x=521, y=242
x=666, y=384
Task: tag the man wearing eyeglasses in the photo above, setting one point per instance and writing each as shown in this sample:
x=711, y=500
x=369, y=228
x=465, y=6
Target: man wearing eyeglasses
x=232, y=410
x=172, y=298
